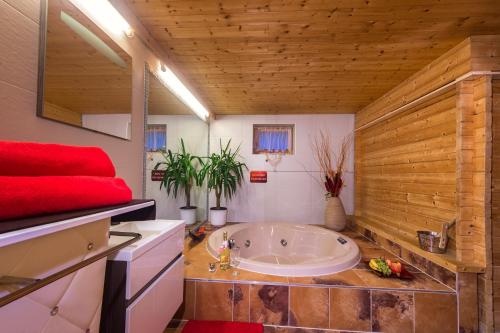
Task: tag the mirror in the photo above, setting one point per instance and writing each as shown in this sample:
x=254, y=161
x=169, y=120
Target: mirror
x=85, y=78
x=168, y=120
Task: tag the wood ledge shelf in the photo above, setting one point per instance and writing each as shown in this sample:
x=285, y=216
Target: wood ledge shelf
x=446, y=260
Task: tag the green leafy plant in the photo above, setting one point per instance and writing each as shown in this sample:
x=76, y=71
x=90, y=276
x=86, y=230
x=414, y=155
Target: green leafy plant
x=181, y=172
x=224, y=173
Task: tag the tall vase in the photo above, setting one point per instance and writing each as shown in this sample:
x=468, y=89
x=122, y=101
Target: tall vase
x=335, y=217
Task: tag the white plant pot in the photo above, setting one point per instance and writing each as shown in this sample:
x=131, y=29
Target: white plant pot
x=188, y=215
x=218, y=217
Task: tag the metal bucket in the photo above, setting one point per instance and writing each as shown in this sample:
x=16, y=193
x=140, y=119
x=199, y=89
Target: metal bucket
x=429, y=241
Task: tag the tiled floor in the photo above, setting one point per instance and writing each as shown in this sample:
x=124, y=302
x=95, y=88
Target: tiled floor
x=197, y=259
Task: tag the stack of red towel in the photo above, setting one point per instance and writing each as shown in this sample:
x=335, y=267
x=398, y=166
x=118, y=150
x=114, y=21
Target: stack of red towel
x=40, y=179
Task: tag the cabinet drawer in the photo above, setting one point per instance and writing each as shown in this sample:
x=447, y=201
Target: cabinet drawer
x=142, y=269
x=152, y=311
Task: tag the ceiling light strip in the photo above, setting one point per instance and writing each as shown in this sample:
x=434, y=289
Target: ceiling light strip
x=172, y=82
x=107, y=15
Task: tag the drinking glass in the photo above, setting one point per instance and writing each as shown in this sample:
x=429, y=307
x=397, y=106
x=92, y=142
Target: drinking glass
x=235, y=259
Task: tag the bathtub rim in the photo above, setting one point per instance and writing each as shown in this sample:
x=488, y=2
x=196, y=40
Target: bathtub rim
x=320, y=268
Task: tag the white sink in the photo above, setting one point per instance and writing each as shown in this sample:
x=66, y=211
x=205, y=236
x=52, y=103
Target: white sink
x=153, y=232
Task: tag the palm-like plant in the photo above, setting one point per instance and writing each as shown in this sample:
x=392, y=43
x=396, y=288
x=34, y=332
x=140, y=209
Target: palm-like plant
x=181, y=172
x=224, y=172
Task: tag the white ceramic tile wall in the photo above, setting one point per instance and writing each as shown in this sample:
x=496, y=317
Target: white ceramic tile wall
x=293, y=193
x=195, y=135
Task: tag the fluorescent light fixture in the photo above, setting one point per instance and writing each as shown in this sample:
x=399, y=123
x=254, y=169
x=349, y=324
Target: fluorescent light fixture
x=107, y=15
x=179, y=89
x=92, y=39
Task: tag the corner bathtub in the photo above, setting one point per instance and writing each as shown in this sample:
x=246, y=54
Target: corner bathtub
x=288, y=249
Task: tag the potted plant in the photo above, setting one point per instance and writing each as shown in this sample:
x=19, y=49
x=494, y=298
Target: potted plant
x=331, y=168
x=181, y=174
x=224, y=174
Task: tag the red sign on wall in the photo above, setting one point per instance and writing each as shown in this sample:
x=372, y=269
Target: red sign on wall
x=258, y=176
x=157, y=175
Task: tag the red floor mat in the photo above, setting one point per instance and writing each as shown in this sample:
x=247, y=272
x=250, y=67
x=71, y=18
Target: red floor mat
x=204, y=326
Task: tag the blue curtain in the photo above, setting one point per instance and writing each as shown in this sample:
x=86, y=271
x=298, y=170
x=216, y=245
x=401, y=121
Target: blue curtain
x=150, y=140
x=156, y=138
x=161, y=140
x=273, y=141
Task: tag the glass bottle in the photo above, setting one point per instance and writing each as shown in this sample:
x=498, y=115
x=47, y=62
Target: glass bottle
x=225, y=255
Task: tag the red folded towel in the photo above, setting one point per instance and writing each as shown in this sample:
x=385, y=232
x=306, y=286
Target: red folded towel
x=41, y=159
x=204, y=326
x=28, y=196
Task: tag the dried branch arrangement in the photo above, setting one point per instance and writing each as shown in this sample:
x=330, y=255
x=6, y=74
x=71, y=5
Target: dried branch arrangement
x=331, y=165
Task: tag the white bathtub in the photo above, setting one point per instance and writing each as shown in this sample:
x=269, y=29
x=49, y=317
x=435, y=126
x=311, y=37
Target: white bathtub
x=288, y=249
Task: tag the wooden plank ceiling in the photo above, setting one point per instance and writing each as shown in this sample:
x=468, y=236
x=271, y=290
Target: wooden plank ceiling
x=307, y=56
x=78, y=77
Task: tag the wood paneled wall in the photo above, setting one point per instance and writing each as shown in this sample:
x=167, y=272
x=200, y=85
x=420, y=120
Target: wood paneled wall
x=495, y=200
x=437, y=160
x=473, y=169
x=430, y=162
x=405, y=170
x=476, y=53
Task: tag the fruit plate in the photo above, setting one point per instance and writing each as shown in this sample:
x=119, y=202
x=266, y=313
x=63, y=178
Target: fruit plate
x=404, y=275
x=389, y=269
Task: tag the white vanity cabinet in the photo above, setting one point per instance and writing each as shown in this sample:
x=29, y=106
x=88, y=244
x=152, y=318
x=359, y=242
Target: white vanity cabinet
x=144, y=282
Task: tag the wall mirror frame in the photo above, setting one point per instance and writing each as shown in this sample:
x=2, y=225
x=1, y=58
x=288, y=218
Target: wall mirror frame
x=84, y=77
x=163, y=111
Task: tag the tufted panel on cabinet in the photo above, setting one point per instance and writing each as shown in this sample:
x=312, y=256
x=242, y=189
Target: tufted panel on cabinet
x=70, y=304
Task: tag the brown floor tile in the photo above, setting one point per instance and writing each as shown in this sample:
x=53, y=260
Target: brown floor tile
x=269, y=329
x=257, y=277
x=447, y=277
x=377, y=252
x=309, y=307
x=350, y=309
x=241, y=302
x=346, y=278
x=213, y=301
x=420, y=281
x=392, y=312
x=435, y=313
x=387, y=244
x=186, y=311
x=269, y=304
x=414, y=259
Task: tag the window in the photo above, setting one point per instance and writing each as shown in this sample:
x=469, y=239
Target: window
x=273, y=139
x=156, y=137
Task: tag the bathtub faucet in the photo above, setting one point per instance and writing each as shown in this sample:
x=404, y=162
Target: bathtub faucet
x=232, y=243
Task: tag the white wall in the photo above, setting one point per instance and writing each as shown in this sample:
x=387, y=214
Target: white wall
x=195, y=135
x=293, y=193
x=114, y=124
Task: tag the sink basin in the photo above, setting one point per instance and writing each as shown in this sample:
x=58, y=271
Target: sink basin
x=145, y=228
x=153, y=232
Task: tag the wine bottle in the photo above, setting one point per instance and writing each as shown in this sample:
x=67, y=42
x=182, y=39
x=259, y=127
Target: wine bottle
x=225, y=255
